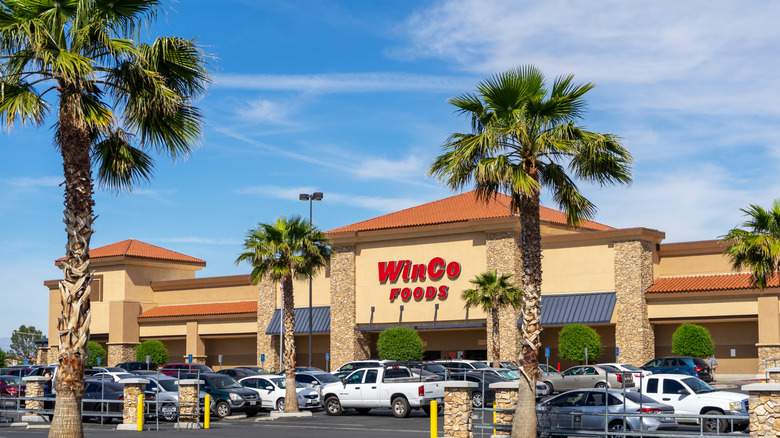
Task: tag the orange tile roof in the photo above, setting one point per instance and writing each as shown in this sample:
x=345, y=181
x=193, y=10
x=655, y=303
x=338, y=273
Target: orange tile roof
x=231, y=308
x=136, y=248
x=714, y=282
x=459, y=208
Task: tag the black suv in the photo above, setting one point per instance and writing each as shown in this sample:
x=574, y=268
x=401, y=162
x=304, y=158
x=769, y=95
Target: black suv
x=228, y=395
x=137, y=366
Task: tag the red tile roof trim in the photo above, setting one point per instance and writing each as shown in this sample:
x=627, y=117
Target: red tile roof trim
x=459, y=208
x=713, y=282
x=136, y=248
x=204, y=309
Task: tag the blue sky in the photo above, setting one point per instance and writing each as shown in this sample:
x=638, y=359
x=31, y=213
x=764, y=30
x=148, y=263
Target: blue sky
x=350, y=98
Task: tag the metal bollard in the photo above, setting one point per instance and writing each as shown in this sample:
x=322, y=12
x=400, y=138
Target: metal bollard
x=140, y=412
x=434, y=419
x=207, y=414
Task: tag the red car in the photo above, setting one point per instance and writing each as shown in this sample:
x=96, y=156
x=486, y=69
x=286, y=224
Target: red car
x=11, y=387
x=174, y=369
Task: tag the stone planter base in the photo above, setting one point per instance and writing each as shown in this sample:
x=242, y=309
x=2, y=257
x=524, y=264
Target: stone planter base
x=277, y=414
x=188, y=426
x=127, y=426
x=34, y=419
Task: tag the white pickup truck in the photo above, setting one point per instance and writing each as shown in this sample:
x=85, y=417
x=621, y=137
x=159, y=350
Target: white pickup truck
x=393, y=387
x=691, y=395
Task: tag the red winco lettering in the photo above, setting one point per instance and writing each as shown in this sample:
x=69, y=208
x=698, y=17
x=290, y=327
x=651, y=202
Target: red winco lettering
x=407, y=271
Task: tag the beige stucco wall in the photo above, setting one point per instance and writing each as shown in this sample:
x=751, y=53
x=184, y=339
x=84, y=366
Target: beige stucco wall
x=741, y=336
x=698, y=307
x=578, y=267
x=205, y=295
x=468, y=249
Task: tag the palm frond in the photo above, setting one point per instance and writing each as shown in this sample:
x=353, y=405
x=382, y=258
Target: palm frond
x=19, y=101
x=120, y=166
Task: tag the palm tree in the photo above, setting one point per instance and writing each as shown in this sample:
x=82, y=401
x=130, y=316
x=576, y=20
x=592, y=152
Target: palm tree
x=283, y=251
x=524, y=138
x=756, y=246
x=116, y=99
x=492, y=293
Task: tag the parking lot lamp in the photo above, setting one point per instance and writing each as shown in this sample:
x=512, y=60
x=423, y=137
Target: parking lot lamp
x=316, y=196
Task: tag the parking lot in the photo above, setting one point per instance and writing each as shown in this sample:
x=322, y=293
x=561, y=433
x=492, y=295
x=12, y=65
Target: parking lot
x=378, y=424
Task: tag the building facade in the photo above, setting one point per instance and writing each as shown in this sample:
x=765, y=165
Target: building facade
x=408, y=268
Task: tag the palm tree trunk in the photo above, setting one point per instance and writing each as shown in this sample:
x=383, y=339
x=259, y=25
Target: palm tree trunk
x=524, y=423
x=74, y=323
x=291, y=395
x=496, y=339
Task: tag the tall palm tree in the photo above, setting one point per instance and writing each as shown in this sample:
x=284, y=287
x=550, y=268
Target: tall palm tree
x=285, y=250
x=116, y=99
x=756, y=246
x=493, y=292
x=524, y=138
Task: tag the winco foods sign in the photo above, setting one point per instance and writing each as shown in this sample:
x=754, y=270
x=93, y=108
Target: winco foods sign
x=406, y=271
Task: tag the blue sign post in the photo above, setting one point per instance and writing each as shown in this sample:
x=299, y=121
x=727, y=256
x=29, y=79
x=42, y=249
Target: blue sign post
x=617, y=351
x=262, y=357
x=547, y=356
x=25, y=362
x=189, y=358
x=327, y=361
x=99, y=360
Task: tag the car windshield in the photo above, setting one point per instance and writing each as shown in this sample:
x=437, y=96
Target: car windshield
x=12, y=380
x=512, y=366
x=697, y=385
x=508, y=374
x=630, y=367
x=224, y=382
x=326, y=378
x=282, y=383
x=546, y=368
x=638, y=398
x=435, y=368
x=479, y=365
x=169, y=385
x=201, y=368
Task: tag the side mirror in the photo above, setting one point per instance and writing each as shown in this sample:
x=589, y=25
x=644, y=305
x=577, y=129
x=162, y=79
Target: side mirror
x=682, y=391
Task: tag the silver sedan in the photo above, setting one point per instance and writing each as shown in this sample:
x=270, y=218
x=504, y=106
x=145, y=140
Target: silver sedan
x=575, y=412
x=587, y=376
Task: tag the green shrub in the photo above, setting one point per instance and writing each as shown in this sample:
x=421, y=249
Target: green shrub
x=400, y=343
x=2, y=358
x=153, y=348
x=96, y=351
x=572, y=340
x=692, y=340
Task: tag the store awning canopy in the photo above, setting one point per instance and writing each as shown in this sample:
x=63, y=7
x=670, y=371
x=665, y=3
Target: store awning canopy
x=587, y=308
x=320, y=322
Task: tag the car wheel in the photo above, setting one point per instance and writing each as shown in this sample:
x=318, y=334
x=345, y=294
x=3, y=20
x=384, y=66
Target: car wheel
x=168, y=412
x=439, y=410
x=363, y=411
x=400, y=407
x=550, y=388
x=333, y=406
x=252, y=412
x=616, y=427
x=714, y=425
x=477, y=399
x=222, y=409
x=601, y=385
x=280, y=405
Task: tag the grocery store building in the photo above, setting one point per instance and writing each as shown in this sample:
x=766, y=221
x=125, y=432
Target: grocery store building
x=408, y=268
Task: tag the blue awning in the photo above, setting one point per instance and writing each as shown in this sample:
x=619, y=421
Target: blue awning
x=320, y=322
x=587, y=308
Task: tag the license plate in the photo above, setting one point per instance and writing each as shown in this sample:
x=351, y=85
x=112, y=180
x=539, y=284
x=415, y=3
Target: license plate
x=252, y=403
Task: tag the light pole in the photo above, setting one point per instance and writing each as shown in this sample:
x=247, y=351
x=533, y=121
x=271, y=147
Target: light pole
x=316, y=196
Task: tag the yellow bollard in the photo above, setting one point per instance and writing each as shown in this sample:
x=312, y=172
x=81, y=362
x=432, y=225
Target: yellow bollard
x=207, y=410
x=139, y=410
x=434, y=419
x=494, y=417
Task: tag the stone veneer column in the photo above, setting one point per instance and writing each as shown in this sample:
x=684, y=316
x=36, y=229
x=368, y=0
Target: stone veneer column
x=54, y=355
x=41, y=355
x=458, y=408
x=133, y=388
x=506, y=398
x=189, y=412
x=345, y=343
x=764, y=409
x=266, y=305
x=633, y=275
x=768, y=358
x=503, y=254
x=35, y=388
x=118, y=353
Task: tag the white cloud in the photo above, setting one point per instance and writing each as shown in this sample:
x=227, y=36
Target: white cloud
x=376, y=203
x=33, y=182
x=344, y=82
x=265, y=111
x=200, y=240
